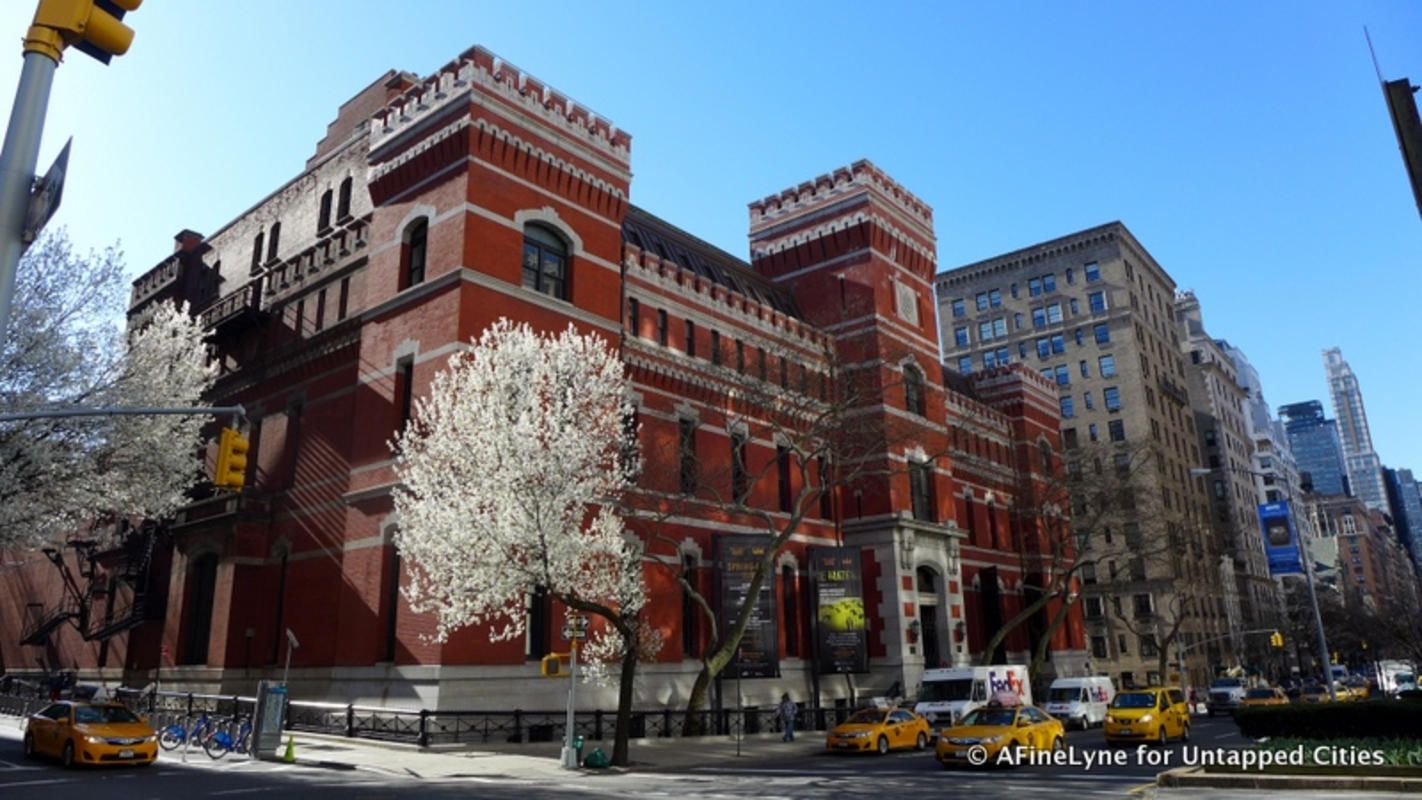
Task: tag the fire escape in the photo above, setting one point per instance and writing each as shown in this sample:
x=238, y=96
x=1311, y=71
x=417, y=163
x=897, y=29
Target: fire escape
x=99, y=575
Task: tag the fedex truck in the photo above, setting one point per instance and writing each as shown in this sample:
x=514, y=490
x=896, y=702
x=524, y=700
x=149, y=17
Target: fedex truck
x=948, y=694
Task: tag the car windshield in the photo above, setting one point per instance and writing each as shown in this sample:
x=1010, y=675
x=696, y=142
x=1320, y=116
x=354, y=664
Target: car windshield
x=868, y=716
x=990, y=716
x=1260, y=694
x=1059, y=695
x=946, y=691
x=1405, y=677
x=1134, y=700
x=101, y=714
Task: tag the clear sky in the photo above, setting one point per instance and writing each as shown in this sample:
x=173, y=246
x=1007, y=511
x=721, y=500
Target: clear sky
x=1247, y=145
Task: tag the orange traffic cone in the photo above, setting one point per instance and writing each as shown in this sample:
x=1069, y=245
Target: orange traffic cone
x=290, y=756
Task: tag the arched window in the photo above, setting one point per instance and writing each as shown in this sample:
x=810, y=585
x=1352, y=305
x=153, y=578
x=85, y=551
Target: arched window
x=412, y=271
x=197, y=608
x=392, y=604
x=257, y=243
x=343, y=201
x=545, y=262
x=323, y=221
x=913, y=390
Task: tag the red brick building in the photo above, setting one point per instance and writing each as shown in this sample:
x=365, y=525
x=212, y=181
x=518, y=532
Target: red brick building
x=433, y=207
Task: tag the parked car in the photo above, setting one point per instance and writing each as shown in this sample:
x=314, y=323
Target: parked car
x=995, y=727
x=879, y=730
x=1157, y=714
x=90, y=733
x=1264, y=696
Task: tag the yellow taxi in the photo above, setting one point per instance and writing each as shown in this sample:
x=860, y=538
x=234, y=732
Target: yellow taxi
x=1357, y=689
x=1316, y=693
x=1157, y=714
x=90, y=733
x=995, y=727
x=879, y=730
x=1264, y=696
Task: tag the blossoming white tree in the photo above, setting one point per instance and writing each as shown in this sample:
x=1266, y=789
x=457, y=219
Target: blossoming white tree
x=67, y=347
x=510, y=471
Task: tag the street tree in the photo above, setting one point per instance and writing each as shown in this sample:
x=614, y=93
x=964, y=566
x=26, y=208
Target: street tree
x=511, y=471
x=68, y=348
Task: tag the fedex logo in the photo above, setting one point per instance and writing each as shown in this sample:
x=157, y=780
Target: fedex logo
x=1009, y=682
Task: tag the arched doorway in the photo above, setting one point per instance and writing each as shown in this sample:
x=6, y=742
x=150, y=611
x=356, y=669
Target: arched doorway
x=927, y=581
x=197, y=608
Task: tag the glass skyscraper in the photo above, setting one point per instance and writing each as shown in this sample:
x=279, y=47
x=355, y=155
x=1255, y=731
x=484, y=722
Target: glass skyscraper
x=1313, y=438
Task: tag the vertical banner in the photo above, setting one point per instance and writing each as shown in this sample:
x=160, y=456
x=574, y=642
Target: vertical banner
x=841, y=630
x=759, y=654
x=1281, y=539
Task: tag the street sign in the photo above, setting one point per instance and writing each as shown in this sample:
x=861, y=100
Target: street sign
x=579, y=622
x=45, y=196
x=571, y=632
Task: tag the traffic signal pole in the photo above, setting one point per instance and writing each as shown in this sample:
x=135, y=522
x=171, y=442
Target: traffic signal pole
x=17, y=170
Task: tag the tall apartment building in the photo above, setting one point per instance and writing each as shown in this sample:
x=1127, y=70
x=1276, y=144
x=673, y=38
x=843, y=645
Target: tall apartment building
x=1313, y=438
x=434, y=207
x=1278, y=477
x=1219, y=398
x=1093, y=311
x=1364, y=468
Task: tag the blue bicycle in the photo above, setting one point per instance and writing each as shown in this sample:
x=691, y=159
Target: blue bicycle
x=223, y=741
x=178, y=733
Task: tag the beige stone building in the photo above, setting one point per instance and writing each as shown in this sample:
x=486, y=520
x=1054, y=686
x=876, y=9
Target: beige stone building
x=1095, y=312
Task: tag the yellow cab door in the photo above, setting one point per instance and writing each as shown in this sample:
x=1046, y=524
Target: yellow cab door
x=899, y=729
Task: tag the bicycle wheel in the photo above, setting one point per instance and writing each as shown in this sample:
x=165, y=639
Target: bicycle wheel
x=172, y=736
x=218, y=744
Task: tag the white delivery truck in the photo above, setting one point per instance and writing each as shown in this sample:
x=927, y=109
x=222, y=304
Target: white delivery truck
x=1080, y=702
x=1395, y=676
x=948, y=694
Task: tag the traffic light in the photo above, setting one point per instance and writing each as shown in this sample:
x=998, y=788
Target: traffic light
x=92, y=26
x=1276, y=639
x=231, y=470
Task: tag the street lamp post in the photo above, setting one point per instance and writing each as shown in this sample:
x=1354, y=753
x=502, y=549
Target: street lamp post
x=1307, y=558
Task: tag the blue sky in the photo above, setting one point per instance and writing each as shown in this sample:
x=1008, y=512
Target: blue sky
x=1247, y=145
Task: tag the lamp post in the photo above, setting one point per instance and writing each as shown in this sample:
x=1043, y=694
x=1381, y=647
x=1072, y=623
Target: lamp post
x=1306, y=557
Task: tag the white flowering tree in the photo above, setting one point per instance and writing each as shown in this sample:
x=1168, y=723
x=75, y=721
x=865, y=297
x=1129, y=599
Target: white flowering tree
x=67, y=347
x=510, y=471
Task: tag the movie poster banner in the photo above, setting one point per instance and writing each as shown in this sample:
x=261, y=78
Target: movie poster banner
x=1281, y=539
x=759, y=653
x=841, y=632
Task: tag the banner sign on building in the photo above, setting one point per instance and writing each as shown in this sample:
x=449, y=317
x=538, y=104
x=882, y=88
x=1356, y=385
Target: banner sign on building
x=759, y=654
x=1281, y=539
x=841, y=630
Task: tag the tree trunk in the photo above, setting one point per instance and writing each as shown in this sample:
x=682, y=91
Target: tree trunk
x=625, y=696
x=691, y=719
x=1020, y=617
x=1039, y=655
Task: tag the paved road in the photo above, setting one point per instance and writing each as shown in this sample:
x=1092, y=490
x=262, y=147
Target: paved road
x=815, y=774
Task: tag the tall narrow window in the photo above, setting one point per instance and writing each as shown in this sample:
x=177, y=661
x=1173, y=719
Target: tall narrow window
x=321, y=310
x=323, y=220
x=392, y=605
x=343, y=201
x=662, y=332
x=740, y=356
x=782, y=476
x=405, y=388
x=716, y=348
x=913, y=390
x=784, y=373
x=414, y=252
x=760, y=363
x=790, y=620
x=634, y=317
x=274, y=241
x=921, y=488
x=257, y=252
x=690, y=613
x=197, y=610
x=545, y=262
x=279, y=619
x=343, y=307
x=740, y=488
x=691, y=338
x=538, y=614
x=686, y=454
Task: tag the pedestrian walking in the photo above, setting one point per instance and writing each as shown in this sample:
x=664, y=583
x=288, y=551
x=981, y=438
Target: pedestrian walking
x=787, y=712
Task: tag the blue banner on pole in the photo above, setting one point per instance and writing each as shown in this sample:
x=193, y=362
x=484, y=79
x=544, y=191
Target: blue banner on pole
x=1281, y=539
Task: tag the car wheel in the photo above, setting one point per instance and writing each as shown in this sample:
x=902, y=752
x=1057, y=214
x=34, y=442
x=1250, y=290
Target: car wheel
x=922, y=742
x=1185, y=732
x=67, y=757
x=30, y=746
x=1162, y=739
x=883, y=745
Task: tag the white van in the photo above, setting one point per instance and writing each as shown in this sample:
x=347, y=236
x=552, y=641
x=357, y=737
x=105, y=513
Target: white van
x=1080, y=702
x=948, y=694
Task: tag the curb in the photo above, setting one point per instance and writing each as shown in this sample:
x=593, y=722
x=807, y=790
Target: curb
x=1196, y=777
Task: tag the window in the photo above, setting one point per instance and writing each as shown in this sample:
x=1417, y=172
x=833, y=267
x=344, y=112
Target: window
x=1075, y=307
x=691, y=338
x=321, y=310
x=1088, y=577
x=686, y=454
x=1121, y=644
x=1034, y=287
x=405, y=386
x=1004, y=356
x=690, y=612
x=662, y=333
x=1013, y=290
x=1063, y=375
x=1148, y=649
x=959, y=309
x=784, y=373
x=1039, y=318
x=960, y=336
x=921, y=489
x=1017, y=321
x=257, y=251
x=1098, y=647
x=1054, y=313
x=323, y=219
x=995, y=298
x=1085, y=369
x=1093, y=271
x=1102, y=332
x=414, y=253
x=989, y=359
x=1093, y=608
x=1069, y=438
x=1080, y=340
x=761, y=363
x=791, y=619
x=537, y=625
x=392, y=604
x=782, y=476
x=1067, y=408
x=1141, y=605
x=965, y=365
x=1107, y=366
x=634, y=316
x=1022, y=350
x=1049, y=283
x=740, y=488
x=545, y=262
x=1058, y=343
x=982, y=301
x=741, y=357
x=1091, y=432
x=716, y=348
x=1086, y=400
x=1096, y=301
x=343, y=200
x=1117, y=430
x=274, y=241
x=1111, y=396
x=1044, y=347
x=1070, y=276
x=913, y=390
x=344, y=305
